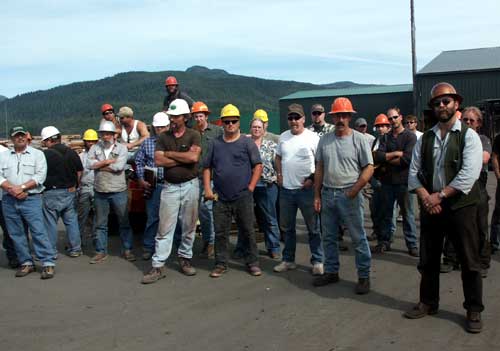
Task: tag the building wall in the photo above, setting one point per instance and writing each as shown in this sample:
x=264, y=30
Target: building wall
x=367, y=106
x=472, y=86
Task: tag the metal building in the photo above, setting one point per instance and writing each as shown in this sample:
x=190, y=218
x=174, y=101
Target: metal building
x=475, y=73
x=367, y=101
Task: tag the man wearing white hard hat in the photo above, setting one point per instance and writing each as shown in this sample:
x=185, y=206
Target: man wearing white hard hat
x=64, y=169
x=108, y=160
x=178, y=152
x=151, y=179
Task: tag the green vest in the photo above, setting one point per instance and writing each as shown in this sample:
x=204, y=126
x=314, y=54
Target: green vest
x=452, y=164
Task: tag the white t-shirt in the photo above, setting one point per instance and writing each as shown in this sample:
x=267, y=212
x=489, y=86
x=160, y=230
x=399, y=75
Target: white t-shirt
x=418, y=134
x=297, y=154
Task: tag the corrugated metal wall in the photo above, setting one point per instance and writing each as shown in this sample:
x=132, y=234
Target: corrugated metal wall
x=367, y=106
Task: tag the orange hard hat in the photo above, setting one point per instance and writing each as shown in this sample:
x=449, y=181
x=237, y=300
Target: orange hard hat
x=199, y=106
x=341, y=105
x=381, y=119
x=106, y=107
x=171, y=80
x=443, y=88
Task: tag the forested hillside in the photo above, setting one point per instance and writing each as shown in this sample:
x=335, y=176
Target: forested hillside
x=75, y=107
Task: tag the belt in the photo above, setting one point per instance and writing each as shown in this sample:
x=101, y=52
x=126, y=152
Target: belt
x=70, y=189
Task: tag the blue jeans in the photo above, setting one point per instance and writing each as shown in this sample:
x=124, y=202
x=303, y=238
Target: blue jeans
x=337, y=208
x=178, y=204
x=206, y=216
x=30, y=209
x=84, y=207
x=390, y=194
x=118, y=201
x=153, y=213
x=290, y=202
x=265, y=198
x=60, y=203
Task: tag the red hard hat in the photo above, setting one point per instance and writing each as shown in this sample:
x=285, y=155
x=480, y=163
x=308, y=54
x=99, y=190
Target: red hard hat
x=106, y=107
x=381, y=119
x=171, y=81
x=341, y=105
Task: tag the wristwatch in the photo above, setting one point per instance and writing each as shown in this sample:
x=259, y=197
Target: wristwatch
x=23, y=187
x=442, y=195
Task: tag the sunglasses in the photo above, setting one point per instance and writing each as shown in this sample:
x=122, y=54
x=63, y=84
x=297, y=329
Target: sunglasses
x=230, y=121
x=392, y=117
x=471, y=120
x=317, y=113
x=410, y=122
x=362, y=126
x=294, y=117
x=445, y=101
x=108, y=113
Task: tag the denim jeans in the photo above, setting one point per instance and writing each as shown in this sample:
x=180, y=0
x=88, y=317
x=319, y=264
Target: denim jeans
x=337, y=208
x=290, y=202
x=118, y=202
x=153, y=213
x=7, y=242
x=30, y=209
x=178, y=204
x=390, y=194
x=85, y=209
x=243, y=212
x=376, y=208
x=265, y=198
x=60, y=203
x=206, y=216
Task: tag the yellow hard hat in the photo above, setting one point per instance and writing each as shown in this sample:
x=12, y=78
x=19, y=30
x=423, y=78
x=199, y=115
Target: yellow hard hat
x=261, y=114
x=90, y=135
x=229, y=111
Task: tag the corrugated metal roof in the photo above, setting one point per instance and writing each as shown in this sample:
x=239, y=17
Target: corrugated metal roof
x=382, y=89
x=464, y=60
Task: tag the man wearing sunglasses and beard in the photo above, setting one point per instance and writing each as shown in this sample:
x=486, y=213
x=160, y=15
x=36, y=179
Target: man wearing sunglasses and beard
x=234, y=161
x=444, y=170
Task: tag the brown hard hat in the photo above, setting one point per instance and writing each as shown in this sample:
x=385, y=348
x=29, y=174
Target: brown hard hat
x=443, y=88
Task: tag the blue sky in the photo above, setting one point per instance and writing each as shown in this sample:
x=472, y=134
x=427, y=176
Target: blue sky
x=47, y=43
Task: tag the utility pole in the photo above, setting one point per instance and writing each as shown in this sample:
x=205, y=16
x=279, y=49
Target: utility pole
x=413, y=58
x=6, y=126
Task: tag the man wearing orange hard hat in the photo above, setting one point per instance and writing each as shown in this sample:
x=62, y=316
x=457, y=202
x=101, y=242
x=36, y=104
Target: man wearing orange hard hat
x=344, y=165
x=444, y=172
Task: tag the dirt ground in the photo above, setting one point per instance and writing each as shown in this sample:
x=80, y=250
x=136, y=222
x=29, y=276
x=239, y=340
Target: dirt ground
x=104, y=307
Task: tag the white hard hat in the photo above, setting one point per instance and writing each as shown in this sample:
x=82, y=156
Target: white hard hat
x=107, y=126
x=160, y=119
x=48, y=132
x=178, y=107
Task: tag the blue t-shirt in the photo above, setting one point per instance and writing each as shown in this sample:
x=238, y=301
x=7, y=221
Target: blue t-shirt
x=232, y=165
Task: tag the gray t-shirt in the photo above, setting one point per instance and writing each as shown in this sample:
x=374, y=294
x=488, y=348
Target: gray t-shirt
x=343, y=158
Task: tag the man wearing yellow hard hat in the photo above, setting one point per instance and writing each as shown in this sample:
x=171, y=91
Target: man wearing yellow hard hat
x=85, y=200
x=234, y=160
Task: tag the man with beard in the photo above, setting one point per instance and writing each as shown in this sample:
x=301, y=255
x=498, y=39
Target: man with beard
x=444, y=170
x=394, y=153
x=178, y=152
x=319, y=126
x=344, y=165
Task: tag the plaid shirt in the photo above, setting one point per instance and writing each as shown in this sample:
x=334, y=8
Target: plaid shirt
x=146, y=157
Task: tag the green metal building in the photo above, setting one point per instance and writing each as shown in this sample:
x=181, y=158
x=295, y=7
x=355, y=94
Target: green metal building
x=367, y=101
x=475, y=73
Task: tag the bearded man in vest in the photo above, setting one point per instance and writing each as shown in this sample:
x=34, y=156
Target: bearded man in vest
x=443, y=173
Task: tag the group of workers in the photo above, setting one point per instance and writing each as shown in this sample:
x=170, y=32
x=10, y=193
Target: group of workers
x=193, y=170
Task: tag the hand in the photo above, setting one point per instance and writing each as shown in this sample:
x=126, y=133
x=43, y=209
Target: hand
x=279, y=179
x=144, y=184
x=317, y=204
x=251, y=188
x=308, y=183
x=209, y=195
x=434, y=199
x=351, y=193
x=435, y=210
x=22, y=196
x=15, y=190
x=129, y=146
x=110, y=161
